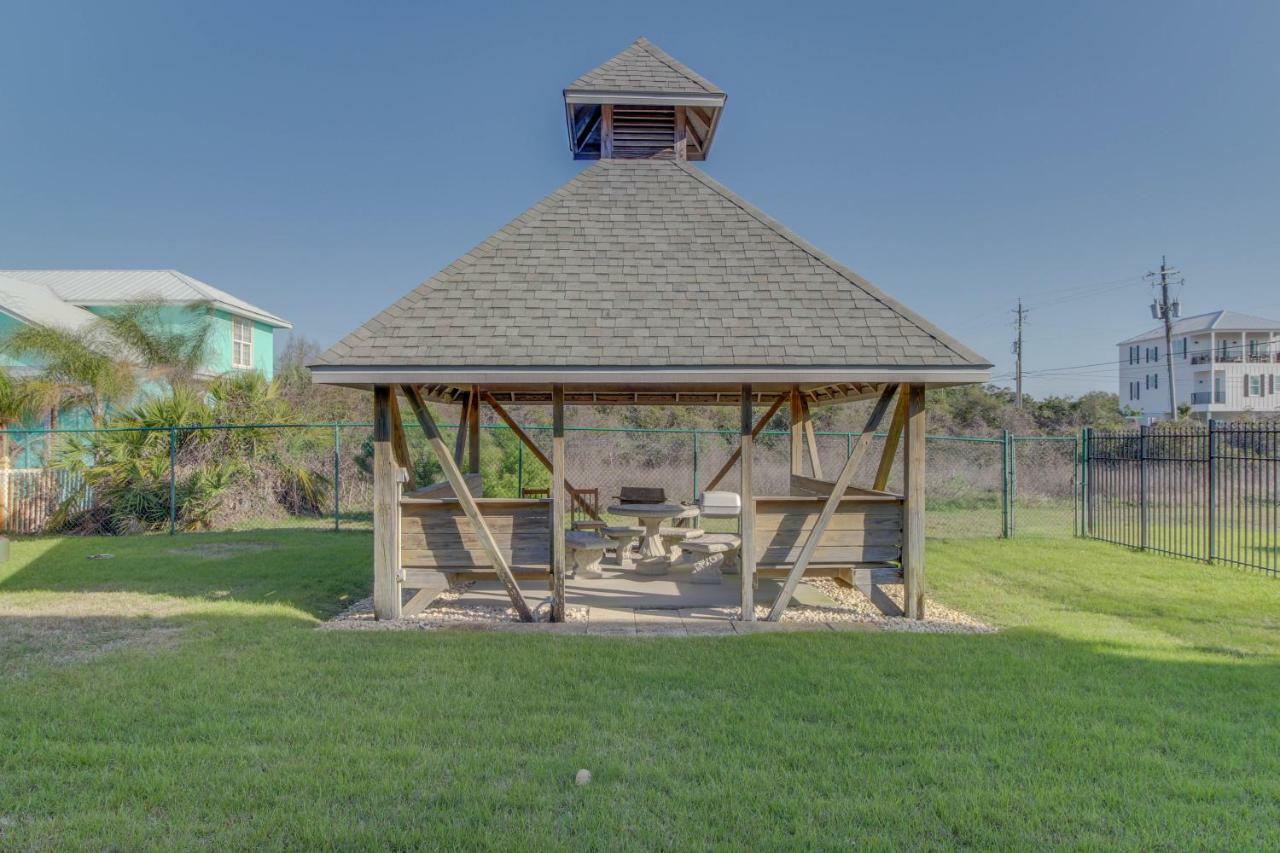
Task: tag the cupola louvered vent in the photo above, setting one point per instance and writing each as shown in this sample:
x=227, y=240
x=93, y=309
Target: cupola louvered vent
x=641, y=132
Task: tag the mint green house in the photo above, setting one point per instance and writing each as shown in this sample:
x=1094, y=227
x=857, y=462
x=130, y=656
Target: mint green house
x=242, y=335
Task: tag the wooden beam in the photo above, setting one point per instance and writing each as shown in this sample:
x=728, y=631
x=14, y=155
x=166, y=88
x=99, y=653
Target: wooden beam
x=467, y=501
x=681, y=147
x=386, y=509
x=747, y=553
x=519, y=433
x=913, y=508
x=399, y=443
x=606, y=131
x=737, y=451
x=891, y=444
x=460, y=440
x=797, y=432
x=473, y=432
x=557, y=503
x=832, y=502
x=812, y=438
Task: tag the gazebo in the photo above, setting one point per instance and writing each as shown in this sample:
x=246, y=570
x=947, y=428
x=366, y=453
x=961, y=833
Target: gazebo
x=643, y=281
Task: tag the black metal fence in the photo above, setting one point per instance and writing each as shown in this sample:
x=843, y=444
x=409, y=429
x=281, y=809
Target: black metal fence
x=1205, y=491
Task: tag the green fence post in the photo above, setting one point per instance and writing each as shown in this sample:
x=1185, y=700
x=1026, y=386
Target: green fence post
x=520, y=470
x=337, y=477
x=848, y=445
x=695, y=464
x=1005, y=527
x=173, y=480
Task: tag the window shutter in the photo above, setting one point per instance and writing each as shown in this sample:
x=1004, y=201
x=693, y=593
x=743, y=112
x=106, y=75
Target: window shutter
x=1246, y=385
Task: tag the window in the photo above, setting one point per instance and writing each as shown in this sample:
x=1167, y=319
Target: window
x=1155, y=353
x=1253, y=346
x=1133, y=355
x=1254, y=386
x=1184, y=348
x=241, y=342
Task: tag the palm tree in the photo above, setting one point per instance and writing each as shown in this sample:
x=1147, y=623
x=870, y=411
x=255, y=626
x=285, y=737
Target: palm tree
x=78, y=368
x=167, y=349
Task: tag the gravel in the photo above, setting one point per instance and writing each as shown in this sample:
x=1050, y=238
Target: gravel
x=851, y=606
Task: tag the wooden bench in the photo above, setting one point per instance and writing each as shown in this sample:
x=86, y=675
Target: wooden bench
x=865, y=534
x=437, y=537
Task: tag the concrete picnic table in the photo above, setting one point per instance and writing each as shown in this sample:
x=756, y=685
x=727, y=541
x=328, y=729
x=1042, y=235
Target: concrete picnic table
x=651, y=517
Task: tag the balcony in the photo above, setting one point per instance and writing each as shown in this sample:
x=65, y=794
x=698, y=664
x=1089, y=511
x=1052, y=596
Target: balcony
x=1204, y=398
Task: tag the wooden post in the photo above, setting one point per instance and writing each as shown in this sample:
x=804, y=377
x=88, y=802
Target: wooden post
x=797, y=434
x=737, y=451
x=891, y=443
x=473, y=432
x=812, y=437
x=913, y=509
x=460, y=440
x=681, y=147
x=386, y=509
x=4, y=485
x=557, y=503
x=467, y=501
x=830, y=506
x=606, y=131
x=519, y=433
x=747, y=553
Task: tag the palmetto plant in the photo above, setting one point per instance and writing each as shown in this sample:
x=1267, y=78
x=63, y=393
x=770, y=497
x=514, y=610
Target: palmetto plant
x=77, y=368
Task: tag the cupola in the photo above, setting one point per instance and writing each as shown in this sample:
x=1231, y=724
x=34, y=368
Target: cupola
x=641, y=105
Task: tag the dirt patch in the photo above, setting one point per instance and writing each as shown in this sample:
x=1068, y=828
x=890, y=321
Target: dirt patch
x=221, y=550
x=79, y=627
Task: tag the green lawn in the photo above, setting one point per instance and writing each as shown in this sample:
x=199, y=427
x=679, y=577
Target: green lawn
x=176, y=695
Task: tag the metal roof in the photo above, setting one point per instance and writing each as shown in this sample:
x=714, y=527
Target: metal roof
x=644, y=68
x=1213, y=321
x=35, y=304
x=113, y=287
x=647, y=265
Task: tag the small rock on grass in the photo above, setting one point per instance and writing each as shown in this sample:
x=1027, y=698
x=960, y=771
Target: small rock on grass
x=583, y=777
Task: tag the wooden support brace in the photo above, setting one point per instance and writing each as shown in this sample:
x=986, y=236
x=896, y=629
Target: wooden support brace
x=519, y=433
x=891, y=444
x=812, y=438
x=832, y=502
x=460, y=440
x=467, y=501
x=737, y=451
x=399, y=443
x=797, y=432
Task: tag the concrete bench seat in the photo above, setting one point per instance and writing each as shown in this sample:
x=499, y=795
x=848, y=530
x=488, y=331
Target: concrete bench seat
x=586, y=549
x=623, y=537
x=709, y=555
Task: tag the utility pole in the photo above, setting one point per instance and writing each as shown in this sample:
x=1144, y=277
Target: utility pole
x=1165, y=310
x=1021, y=314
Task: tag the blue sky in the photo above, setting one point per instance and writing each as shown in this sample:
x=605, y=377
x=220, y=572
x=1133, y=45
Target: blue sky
x=322, y=159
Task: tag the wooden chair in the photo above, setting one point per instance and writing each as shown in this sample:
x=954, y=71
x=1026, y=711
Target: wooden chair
x=579, y=518
x=535, y=493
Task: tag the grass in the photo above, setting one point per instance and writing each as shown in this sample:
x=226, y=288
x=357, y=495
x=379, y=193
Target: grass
x=1129, y=702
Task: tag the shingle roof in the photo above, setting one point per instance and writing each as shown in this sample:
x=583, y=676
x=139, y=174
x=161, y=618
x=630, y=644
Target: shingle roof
x=1217, y=321
x=104, y=287
x=644, y=67
x=647, y=263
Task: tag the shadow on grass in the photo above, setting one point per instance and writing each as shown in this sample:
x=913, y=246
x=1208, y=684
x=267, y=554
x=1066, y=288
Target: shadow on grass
x=316, y=571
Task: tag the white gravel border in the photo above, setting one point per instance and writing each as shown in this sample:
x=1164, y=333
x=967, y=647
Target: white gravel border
x=851, y=606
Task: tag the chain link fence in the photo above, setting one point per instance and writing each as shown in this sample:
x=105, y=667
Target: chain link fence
x=224, y=477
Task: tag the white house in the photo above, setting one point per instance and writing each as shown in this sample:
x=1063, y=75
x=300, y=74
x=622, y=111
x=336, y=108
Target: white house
x=1224, y=364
